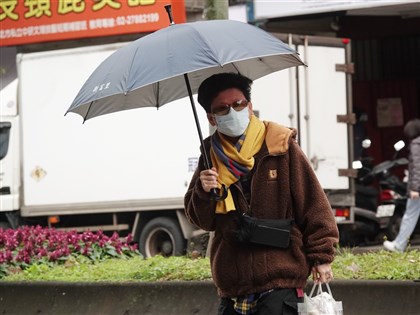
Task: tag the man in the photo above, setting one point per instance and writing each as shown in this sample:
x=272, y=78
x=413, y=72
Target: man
x=267, y=176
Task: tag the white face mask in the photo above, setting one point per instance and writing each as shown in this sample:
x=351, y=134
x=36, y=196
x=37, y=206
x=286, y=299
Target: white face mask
x=234, y=123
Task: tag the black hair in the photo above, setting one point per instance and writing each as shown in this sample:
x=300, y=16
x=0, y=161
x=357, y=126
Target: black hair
x=412, y=128
x=220, y=82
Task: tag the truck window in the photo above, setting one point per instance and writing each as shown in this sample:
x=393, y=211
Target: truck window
x=4, y=138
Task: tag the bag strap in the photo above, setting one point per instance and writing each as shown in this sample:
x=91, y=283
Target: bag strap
x=319, y=286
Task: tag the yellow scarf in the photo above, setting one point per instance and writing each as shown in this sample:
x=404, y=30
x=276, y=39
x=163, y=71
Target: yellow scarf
x=231, y=163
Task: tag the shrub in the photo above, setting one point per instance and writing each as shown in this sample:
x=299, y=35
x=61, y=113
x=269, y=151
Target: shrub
x=27, y=246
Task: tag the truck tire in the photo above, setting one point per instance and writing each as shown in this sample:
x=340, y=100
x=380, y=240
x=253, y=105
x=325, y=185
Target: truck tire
x=161, y=236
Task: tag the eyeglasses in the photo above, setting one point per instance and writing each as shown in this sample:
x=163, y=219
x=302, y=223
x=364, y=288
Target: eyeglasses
x=224, y=109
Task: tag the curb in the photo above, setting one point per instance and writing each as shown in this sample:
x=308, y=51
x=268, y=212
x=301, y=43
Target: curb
x=359, y=297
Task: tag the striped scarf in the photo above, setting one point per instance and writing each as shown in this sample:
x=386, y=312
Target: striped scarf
x=234, y=161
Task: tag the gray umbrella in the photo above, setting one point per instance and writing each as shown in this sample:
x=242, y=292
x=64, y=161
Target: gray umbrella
x=171, y=63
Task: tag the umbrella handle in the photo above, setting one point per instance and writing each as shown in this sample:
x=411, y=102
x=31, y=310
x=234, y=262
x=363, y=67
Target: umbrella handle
x=214, y=194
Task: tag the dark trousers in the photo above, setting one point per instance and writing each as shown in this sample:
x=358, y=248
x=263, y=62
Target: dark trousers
x=277, y=302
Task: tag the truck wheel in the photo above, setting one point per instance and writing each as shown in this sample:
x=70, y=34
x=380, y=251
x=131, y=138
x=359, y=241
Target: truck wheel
x=161, y=236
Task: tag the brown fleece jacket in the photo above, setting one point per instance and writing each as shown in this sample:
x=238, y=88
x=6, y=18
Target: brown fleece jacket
x=283, y=186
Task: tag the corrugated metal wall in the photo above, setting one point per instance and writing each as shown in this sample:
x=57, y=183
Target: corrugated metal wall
x=389, y=58
x=385, y=68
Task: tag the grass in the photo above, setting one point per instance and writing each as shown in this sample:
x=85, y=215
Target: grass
x=115, y=269
x=368, y=266
x=380, y=265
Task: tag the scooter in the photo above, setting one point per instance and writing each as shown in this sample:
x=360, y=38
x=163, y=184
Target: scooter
x=374, y=208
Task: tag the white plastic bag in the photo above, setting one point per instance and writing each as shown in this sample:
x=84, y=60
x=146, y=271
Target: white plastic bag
x=322, y=303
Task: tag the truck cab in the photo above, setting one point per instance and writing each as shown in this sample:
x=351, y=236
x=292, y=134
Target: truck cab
x=9, y=154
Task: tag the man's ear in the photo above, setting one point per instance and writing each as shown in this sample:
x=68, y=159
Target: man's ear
x=211, y=119
x=250, y=108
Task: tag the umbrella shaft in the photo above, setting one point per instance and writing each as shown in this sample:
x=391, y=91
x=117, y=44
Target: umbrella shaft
x=200, y=135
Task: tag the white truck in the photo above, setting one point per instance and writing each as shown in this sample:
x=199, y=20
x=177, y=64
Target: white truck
x=129, y=171
x=125, y=172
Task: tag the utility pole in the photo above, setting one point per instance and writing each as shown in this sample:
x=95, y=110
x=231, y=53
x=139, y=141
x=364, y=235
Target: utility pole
x=216, y=10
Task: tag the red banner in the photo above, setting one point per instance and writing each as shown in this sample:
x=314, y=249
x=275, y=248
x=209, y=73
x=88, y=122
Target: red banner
x=34, y=21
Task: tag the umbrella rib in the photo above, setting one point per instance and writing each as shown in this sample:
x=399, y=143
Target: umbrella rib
x=237, y=70
x=157, y=96
x=87, y=113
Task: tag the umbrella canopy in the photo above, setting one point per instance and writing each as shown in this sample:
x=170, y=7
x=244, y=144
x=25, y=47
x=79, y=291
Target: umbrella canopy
x=151, y=70
x=171, y=63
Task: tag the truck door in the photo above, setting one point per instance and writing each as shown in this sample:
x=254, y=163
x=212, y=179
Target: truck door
x=322, y=95
x=310, y=100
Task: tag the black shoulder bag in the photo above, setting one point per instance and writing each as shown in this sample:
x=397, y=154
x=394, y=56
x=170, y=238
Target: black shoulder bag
x=269, y=232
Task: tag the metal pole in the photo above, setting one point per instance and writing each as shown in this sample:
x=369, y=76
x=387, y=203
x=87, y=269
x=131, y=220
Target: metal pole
x=213, y=192
x=197, y=122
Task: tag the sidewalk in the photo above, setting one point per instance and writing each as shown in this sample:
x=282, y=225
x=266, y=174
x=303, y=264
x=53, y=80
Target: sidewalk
x=415, y=244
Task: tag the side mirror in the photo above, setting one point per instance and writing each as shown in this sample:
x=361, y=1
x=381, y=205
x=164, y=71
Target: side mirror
x=366, y=143
x=399, y=145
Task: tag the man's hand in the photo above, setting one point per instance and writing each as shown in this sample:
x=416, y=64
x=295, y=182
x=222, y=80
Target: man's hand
x=322, y=273
x=208, y=179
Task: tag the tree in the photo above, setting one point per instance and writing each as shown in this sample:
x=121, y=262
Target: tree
x=216, y=10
